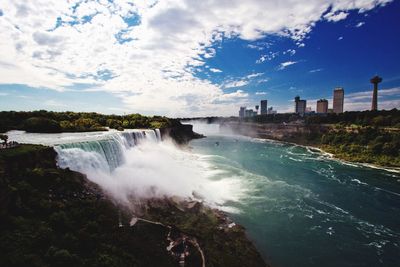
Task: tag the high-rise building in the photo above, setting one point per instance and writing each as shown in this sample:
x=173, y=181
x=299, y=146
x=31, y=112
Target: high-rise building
x=264, y=104
x=300, y=105
x=249, y=113
x=242, y=112
x=322, y=106
x=338, y=100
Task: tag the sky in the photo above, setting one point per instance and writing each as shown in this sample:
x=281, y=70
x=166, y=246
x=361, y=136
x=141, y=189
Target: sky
x=188, y=58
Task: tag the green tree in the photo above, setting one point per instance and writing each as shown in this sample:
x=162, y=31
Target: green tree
x=41, y=125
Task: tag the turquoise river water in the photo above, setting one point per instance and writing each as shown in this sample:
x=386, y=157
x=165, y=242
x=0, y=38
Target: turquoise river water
x=302, y=208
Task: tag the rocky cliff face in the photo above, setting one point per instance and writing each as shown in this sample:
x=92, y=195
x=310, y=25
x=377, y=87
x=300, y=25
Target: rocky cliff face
x=288, y=132
x=181, y=134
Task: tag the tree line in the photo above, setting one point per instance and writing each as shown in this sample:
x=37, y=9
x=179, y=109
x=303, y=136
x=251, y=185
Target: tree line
x=52, y=122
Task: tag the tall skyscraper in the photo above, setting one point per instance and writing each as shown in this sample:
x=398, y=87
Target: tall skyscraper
x=375, y=80
x=322, y=106
x=264, y=105
x=242, y=111
x=300, y=105
x=338, y=100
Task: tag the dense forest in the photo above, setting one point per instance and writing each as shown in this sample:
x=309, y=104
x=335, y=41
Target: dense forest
x=43, y=121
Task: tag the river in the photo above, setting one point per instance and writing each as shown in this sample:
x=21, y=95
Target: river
x=302, y=208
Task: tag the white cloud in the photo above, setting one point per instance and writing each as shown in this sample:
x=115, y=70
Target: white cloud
x=284, y=65
x=242, y=81
x=316, y=70
x=232, y=96
x=238, y=83
x=263, y=80
x=261, y=93
x=215, y=70
x=361, y=23
x=336, y=16
x=291, y=52
x=56, y=44
x=267, y=57
x=254, y=75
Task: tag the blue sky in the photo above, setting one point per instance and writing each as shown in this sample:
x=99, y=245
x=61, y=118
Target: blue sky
x=191, y=58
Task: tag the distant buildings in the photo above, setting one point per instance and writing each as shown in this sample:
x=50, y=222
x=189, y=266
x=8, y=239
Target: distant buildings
x=245, y=113
x=375, y=80
x=264, y=105
x=242, y=111
x=338, y=100
x=322, y=106
x=300, y=105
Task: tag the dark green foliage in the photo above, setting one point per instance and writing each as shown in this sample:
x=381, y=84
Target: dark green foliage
x=55, y=217
x=41, y=125
x=364, y=144
x=50, y=122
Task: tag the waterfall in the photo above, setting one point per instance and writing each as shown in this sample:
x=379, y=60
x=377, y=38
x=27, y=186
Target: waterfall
x=135, y=164
x=105, y=154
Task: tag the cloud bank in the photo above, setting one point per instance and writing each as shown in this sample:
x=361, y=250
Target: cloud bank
x=146, y=52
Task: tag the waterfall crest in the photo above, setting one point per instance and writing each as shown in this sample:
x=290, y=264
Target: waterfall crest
x=105, y=154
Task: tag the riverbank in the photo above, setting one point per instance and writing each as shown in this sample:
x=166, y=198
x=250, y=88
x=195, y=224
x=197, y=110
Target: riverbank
x=57, y=217
x=321, y=150
x=372, y=146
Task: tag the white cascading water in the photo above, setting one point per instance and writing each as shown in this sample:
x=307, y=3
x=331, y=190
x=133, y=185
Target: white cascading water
x=136, y=164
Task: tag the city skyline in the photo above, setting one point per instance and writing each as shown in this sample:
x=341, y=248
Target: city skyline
x=322, y=105
x=186, y=59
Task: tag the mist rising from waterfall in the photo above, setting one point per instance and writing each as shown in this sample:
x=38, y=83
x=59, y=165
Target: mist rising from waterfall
x=209, y=129
x=137, y=165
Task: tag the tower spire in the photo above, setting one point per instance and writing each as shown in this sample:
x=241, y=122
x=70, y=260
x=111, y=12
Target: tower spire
x=375, y=80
